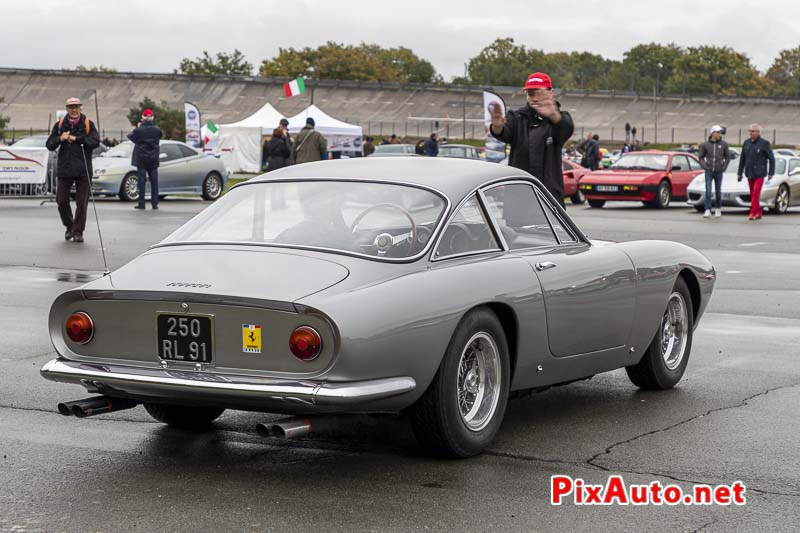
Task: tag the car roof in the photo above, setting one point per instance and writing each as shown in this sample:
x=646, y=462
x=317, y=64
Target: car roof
x=448, y=145
x=453, y=177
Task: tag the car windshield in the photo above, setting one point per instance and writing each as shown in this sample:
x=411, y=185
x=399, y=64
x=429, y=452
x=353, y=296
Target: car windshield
x=375, y=219
x=392, y=149
x=37, y=141
x=123, y=150
x=453, y=151
x=641, y=162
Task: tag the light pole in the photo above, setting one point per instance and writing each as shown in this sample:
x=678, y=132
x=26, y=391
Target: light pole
x=655, y=103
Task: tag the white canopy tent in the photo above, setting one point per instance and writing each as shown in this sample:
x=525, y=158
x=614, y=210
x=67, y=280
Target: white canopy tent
x=240, y=142
x=340, y=135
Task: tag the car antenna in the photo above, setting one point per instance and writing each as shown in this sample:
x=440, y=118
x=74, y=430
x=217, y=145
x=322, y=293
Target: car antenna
x=106, y=271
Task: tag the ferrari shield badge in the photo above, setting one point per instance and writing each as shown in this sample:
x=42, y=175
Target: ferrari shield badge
x=251, y=338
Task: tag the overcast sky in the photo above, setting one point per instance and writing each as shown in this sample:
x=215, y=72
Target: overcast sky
x=154, y=35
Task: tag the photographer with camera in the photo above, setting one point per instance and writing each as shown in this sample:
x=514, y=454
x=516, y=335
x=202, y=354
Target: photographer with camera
x=74, y=136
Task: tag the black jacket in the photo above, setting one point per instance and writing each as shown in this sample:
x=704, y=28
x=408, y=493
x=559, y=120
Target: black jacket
x=536, y=145
x=145, y=150
x=593, y=155
x=714, y=156
x=278, y=153
x=754, y=159
x=73, y=159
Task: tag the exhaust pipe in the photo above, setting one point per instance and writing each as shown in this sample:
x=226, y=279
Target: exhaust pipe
x=293, y=428
x=96, y=405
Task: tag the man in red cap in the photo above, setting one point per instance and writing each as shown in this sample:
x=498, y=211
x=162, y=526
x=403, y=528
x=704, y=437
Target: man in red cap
x=536, y=133
x=74, y=136
x=146, y=137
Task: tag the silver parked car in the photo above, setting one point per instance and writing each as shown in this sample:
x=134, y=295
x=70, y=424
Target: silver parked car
x=393, y=150
x=462, y=151
x=437, y=286
x=778, y=194
x=182, y=170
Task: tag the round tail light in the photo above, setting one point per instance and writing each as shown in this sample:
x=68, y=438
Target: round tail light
x=80, y=327
x=305, y=343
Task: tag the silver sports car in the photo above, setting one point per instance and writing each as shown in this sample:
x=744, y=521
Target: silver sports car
x=182, y=170
x=778, y=194
x=432, y=286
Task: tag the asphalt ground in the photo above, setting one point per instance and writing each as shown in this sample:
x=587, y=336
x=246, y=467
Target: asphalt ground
x=734, y=416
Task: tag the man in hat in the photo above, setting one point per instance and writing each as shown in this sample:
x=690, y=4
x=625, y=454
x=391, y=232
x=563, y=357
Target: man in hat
x=309, y=145
x=74, y=136
x=714, y=158
x=536, y=133
x=146, y=137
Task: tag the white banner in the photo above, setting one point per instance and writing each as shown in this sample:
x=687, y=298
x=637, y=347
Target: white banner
x=344, y=143
x=193, y=137
x=23, y=165
x=492, y=103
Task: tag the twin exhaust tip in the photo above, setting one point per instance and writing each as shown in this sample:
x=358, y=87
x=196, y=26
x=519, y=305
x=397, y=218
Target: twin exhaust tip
x=95, y=406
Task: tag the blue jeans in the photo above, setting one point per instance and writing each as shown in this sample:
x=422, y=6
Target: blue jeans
x=153, y=184
x=716, y=177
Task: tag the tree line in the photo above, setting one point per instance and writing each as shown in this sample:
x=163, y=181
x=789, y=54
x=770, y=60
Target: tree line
x=694, y=70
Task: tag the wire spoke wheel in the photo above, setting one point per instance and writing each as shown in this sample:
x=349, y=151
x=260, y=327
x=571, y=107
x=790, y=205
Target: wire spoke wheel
x=130, y=187
x=674, y=327
x=478, y=381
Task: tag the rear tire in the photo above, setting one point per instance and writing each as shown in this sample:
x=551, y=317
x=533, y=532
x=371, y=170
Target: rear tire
x=578, y=198
x=184, y=417
x=597, y=203
x=782, y=200
x=212, y=187
x=129, y=188
x=460, y=413
x=665, y=360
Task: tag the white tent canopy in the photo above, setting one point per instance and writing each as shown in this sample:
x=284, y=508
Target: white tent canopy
x=340, y=135
x=240, y=142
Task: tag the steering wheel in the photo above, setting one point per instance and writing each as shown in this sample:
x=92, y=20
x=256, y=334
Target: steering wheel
x=384, y=241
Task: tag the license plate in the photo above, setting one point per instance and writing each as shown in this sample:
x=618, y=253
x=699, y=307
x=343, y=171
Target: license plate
x=606, y=188
x=186, y=338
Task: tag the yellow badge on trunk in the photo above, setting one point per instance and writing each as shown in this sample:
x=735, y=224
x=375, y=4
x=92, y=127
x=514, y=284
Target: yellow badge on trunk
x=251, y=338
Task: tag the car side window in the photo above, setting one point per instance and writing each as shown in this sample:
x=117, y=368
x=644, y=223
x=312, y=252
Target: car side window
x=520, y=216
x=794, y=164
x=467, y=232
x=172, y=152
x=562, y=231
x=680, y=162
x=186, y=151
x=565, y=165
x=694, y=164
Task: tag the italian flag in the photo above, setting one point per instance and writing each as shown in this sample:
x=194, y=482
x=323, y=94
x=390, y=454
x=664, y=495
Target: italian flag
x=294, y=87
x=211, y=131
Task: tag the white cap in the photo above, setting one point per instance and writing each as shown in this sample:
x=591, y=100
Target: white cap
x=716, y=129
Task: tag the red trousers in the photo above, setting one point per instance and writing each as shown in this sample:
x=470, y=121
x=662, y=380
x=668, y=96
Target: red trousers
x=755, y=196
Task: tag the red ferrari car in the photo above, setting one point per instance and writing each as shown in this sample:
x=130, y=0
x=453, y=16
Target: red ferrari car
x=572, y=174
x=653, y=178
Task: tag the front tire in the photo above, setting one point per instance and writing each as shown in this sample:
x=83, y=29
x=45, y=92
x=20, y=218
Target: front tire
x=597, y=203
x=461, y=412
x=663, y=195
x=782, y=200
x=665, y=360
x=184, y=417
x=129, y=188
x=578, y=198
x=212, y=187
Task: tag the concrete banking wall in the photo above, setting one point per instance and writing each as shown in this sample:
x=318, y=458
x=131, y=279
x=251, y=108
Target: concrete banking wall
x=31, y=98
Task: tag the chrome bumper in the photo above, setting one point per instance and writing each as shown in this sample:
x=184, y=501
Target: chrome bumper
x=188, y=386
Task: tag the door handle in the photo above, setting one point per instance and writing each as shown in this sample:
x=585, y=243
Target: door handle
x=544, y=266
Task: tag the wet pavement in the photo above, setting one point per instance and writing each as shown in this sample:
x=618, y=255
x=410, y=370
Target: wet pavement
x=732, y=417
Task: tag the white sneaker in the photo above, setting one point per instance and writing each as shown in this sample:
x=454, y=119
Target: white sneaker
x=707, y=214
x=718, y=213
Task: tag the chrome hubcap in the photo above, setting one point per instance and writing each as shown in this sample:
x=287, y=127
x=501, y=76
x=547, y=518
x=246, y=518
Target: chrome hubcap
x=213, y=186
x=674, y=331
x=478, y=383
x=664, y=195
x=132, y=188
